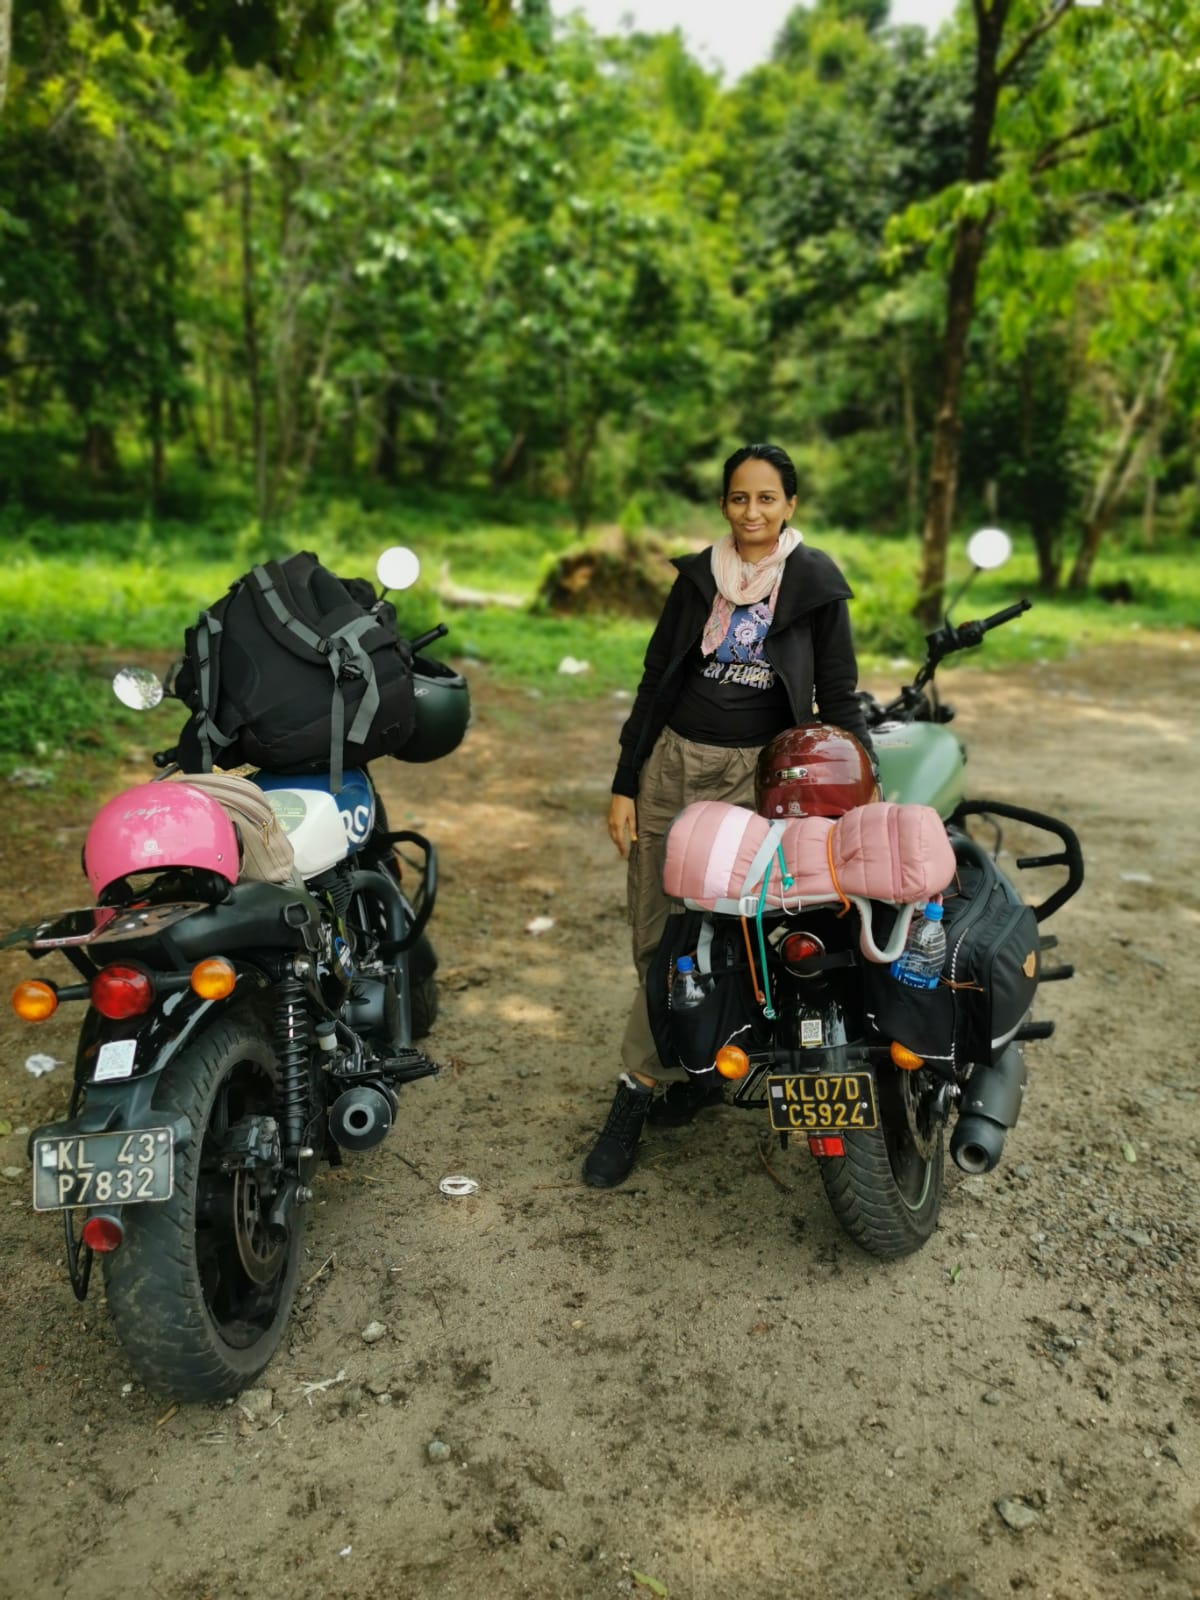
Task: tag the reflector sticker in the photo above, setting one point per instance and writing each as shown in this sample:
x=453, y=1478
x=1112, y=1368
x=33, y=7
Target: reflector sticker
x=115, y=1060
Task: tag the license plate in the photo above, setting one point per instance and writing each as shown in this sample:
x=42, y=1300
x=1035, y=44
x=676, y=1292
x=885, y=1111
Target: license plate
x=823, y=1102
x=99, y=1169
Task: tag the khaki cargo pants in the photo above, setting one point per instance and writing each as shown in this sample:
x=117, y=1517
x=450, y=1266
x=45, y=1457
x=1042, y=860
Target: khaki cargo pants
x=677, y=773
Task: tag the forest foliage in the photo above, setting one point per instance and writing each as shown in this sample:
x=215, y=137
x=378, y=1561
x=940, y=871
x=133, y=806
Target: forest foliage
x=474, y=250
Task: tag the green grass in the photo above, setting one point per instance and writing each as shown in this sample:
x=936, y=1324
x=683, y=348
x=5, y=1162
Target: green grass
x=78, y=598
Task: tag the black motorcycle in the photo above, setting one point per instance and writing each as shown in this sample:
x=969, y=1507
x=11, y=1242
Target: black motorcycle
x=256, y=971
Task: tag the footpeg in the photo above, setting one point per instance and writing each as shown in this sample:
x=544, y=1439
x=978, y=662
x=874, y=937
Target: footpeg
x=1034, y=1030
x=1056, y=974
x=405, y=1067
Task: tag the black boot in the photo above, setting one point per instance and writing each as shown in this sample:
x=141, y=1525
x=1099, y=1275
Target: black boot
x=679, y=1102
x=614, y=1152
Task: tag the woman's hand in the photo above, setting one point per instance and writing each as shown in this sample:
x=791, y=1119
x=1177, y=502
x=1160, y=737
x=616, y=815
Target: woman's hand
x=622, y=823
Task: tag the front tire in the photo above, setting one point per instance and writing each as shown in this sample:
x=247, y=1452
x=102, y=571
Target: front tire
x=886, y=1191
x=200, y=1291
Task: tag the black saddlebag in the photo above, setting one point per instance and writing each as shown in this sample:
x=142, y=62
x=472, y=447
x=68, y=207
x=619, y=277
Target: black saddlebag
x=729, y=1013
x=989, y=978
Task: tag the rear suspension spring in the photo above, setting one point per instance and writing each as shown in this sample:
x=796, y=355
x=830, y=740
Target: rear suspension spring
x=292, y=1053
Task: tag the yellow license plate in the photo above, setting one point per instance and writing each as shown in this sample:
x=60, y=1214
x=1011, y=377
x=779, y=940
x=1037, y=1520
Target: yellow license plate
x=101, y=1169
x=823, y=1102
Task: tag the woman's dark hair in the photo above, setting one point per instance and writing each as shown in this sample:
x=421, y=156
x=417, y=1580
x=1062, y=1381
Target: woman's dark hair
x=773, y=456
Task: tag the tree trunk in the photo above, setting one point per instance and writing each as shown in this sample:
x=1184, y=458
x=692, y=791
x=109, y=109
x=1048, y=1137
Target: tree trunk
x=503, y=470
x=155, y=409
x=912, y=446
x=1150, y=499
x=1048, y=559
x=250, y=338
x=387, y=451
x=229, y=425
x=5, y=49
x=348, y=442
x=99, y=453
x=1129, y=456
x=970, y=238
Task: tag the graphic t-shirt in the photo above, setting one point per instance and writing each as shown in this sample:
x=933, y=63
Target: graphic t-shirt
x=734, y=696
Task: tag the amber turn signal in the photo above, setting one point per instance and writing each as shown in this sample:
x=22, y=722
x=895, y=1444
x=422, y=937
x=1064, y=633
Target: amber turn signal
x=214, y=978
x=907, y=1060
x=732, y=1062
x=34, y=1001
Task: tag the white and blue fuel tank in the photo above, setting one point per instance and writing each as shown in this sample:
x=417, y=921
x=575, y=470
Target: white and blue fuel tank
x=324, y=825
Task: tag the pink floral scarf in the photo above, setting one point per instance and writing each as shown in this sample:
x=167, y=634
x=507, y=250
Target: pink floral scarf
x=743, y=583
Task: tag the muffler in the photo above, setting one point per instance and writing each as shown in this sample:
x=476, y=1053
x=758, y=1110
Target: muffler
x=991, y=1104
x=360, y=1117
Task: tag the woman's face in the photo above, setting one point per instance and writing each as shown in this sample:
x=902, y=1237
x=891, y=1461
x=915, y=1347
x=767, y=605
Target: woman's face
x=756, y=508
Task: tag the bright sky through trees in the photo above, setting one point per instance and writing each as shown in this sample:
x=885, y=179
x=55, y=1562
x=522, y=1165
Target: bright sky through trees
x=735, y=38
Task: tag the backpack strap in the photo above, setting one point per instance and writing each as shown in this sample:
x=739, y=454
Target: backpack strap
x=342, y=650
x=762, y=856
x=208, y=660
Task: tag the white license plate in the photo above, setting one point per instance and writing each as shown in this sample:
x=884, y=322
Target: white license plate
x=102, y=1169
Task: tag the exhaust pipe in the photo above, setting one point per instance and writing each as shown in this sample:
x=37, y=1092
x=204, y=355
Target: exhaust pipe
x=360, y=1117
x=991, y=1104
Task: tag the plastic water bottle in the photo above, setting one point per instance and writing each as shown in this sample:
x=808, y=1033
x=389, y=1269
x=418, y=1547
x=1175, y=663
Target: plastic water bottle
x=920, y=962
x=688, y=987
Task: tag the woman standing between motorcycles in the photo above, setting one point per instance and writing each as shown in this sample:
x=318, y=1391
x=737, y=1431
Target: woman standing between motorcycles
x=755, y=630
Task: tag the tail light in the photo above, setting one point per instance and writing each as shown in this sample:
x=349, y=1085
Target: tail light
x=103, y=1233
x=797, y=948
x=34, y=1001
x=122, y=991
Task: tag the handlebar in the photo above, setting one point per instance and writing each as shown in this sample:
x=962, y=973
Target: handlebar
x=425, y=639
x=969, y=633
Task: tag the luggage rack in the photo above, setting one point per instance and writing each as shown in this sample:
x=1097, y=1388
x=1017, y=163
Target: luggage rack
x=1070, y=856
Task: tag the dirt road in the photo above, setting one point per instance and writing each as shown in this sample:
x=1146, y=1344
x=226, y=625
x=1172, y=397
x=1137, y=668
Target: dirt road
x=695, y=1381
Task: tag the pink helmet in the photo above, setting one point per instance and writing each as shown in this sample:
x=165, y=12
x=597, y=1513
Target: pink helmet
x=159, y=825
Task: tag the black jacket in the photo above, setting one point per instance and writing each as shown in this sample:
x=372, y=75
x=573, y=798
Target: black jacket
x=808, y=644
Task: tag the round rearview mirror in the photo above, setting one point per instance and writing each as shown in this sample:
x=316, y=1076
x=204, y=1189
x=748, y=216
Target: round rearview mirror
x=988, y=548
x=138, y=688
x=398, y=568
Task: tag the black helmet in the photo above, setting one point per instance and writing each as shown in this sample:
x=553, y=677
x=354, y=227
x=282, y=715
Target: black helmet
x=443, y=706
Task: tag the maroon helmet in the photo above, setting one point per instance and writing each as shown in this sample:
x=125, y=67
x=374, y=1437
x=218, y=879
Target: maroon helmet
x=813, y=770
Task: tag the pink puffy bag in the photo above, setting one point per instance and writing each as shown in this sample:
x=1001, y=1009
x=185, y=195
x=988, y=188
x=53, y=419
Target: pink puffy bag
x=718, y=856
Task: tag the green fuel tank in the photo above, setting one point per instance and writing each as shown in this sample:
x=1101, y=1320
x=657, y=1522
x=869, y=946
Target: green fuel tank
x=920, y=762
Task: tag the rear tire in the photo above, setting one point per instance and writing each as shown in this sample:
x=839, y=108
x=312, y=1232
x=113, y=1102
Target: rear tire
x=886, y=1191
x=424, y=1005
x=200, y=1292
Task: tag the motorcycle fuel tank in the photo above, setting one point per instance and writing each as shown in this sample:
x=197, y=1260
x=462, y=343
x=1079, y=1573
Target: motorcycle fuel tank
x=920, y=763
x=355, y=799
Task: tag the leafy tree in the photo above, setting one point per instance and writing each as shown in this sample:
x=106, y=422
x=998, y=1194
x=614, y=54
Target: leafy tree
x=1041, y=101
x=94, y=241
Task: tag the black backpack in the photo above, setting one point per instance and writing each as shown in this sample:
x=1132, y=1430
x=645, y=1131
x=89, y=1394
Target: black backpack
x=294, y=670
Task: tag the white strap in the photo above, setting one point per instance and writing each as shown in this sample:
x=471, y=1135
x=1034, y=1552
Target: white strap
x=762, y=856
x=866, y=937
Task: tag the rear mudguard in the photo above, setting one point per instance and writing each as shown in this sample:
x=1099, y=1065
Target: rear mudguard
x=157, y=1037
